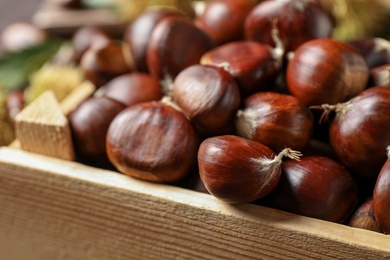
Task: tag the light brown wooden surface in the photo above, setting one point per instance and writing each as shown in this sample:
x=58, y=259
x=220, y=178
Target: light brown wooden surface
x=54, y=209
x=42, y=128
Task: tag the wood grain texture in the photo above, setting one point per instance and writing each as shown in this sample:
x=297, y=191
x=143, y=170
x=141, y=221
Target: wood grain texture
x=55, y=209
x=42, y=127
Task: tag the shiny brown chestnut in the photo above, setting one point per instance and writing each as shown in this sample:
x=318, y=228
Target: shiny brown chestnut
x=381, y=196
x=238, y=170
x=152, y=141
x=89, y=123
x=380, y=75
x=326, y=71
x=275, y=120
x=360, y=131
x=101, y=63
x=375, y=51
x=175, y=44
x=224, y=20
x=298, y=21
x=316, y=187
x=254, y=65
x=208, y=96
x=21, y=35
x=87, y=36
x=138, y=33
x=133, y=88
x=363, y=217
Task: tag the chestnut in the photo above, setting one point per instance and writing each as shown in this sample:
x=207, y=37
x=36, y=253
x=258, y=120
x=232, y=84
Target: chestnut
x=238, y=170
x=133, y=88
x=375, y=51
x=224, y=20
x=326, y=71
x=316, y=187
x=208, y=96
x=85, y=37
x=381, y=196
x=360, y=131
x=298, y=21
x=254, y=65
x=152, y=141
x=21, y=35
x=138, y=33
x=101, y=63
x=89, y=123
x=175, y=44
x=380, y=75
x=363, y=217
x=275, y=120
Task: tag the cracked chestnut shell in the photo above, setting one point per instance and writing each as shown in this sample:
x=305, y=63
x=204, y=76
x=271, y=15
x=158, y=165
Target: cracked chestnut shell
x=152, y=141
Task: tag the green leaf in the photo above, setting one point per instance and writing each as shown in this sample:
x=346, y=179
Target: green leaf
x=16, y=67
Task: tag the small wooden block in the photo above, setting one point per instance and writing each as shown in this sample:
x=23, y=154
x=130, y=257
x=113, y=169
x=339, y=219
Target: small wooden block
x=43, y=128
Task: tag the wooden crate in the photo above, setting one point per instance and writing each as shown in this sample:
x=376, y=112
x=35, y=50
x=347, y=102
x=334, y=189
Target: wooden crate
x=57, y=209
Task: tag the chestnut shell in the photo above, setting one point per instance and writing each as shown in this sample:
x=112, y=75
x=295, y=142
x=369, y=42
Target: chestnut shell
x=275, y=120
x=152, y=141
x=326, y=71
x=208, y=95
x=381, y=198
x=229, y=171
x=252, y=64
x=316, y=187
x=297, y=21
x=360, y=135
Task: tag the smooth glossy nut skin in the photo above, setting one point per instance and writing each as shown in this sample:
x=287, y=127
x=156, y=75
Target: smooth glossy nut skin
x=252, y=64
x=376, y=51
x=224, y=20
x=152, y=141
x=101, y=63
x=359, y=136
x=208, y=95
x=133, y=88
x=138, y=33
x=228, y=169
x=381, y=198
x=298, y=21
x=89, y=123
x=364, y=218
x=87, y=36
x=316, y=187
x=326, y=71
x=175, y=44
x=21, y=35
x=275, y=120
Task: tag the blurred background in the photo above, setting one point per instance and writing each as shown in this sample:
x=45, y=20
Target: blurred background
x=17, y=10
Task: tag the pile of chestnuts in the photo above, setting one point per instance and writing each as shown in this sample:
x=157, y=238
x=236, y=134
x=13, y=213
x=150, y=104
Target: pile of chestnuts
x=252, y=102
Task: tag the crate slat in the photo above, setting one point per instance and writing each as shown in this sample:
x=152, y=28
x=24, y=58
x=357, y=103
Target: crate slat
x=56, y=209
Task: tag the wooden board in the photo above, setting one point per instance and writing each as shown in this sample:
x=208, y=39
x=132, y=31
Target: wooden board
x=55, y=209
